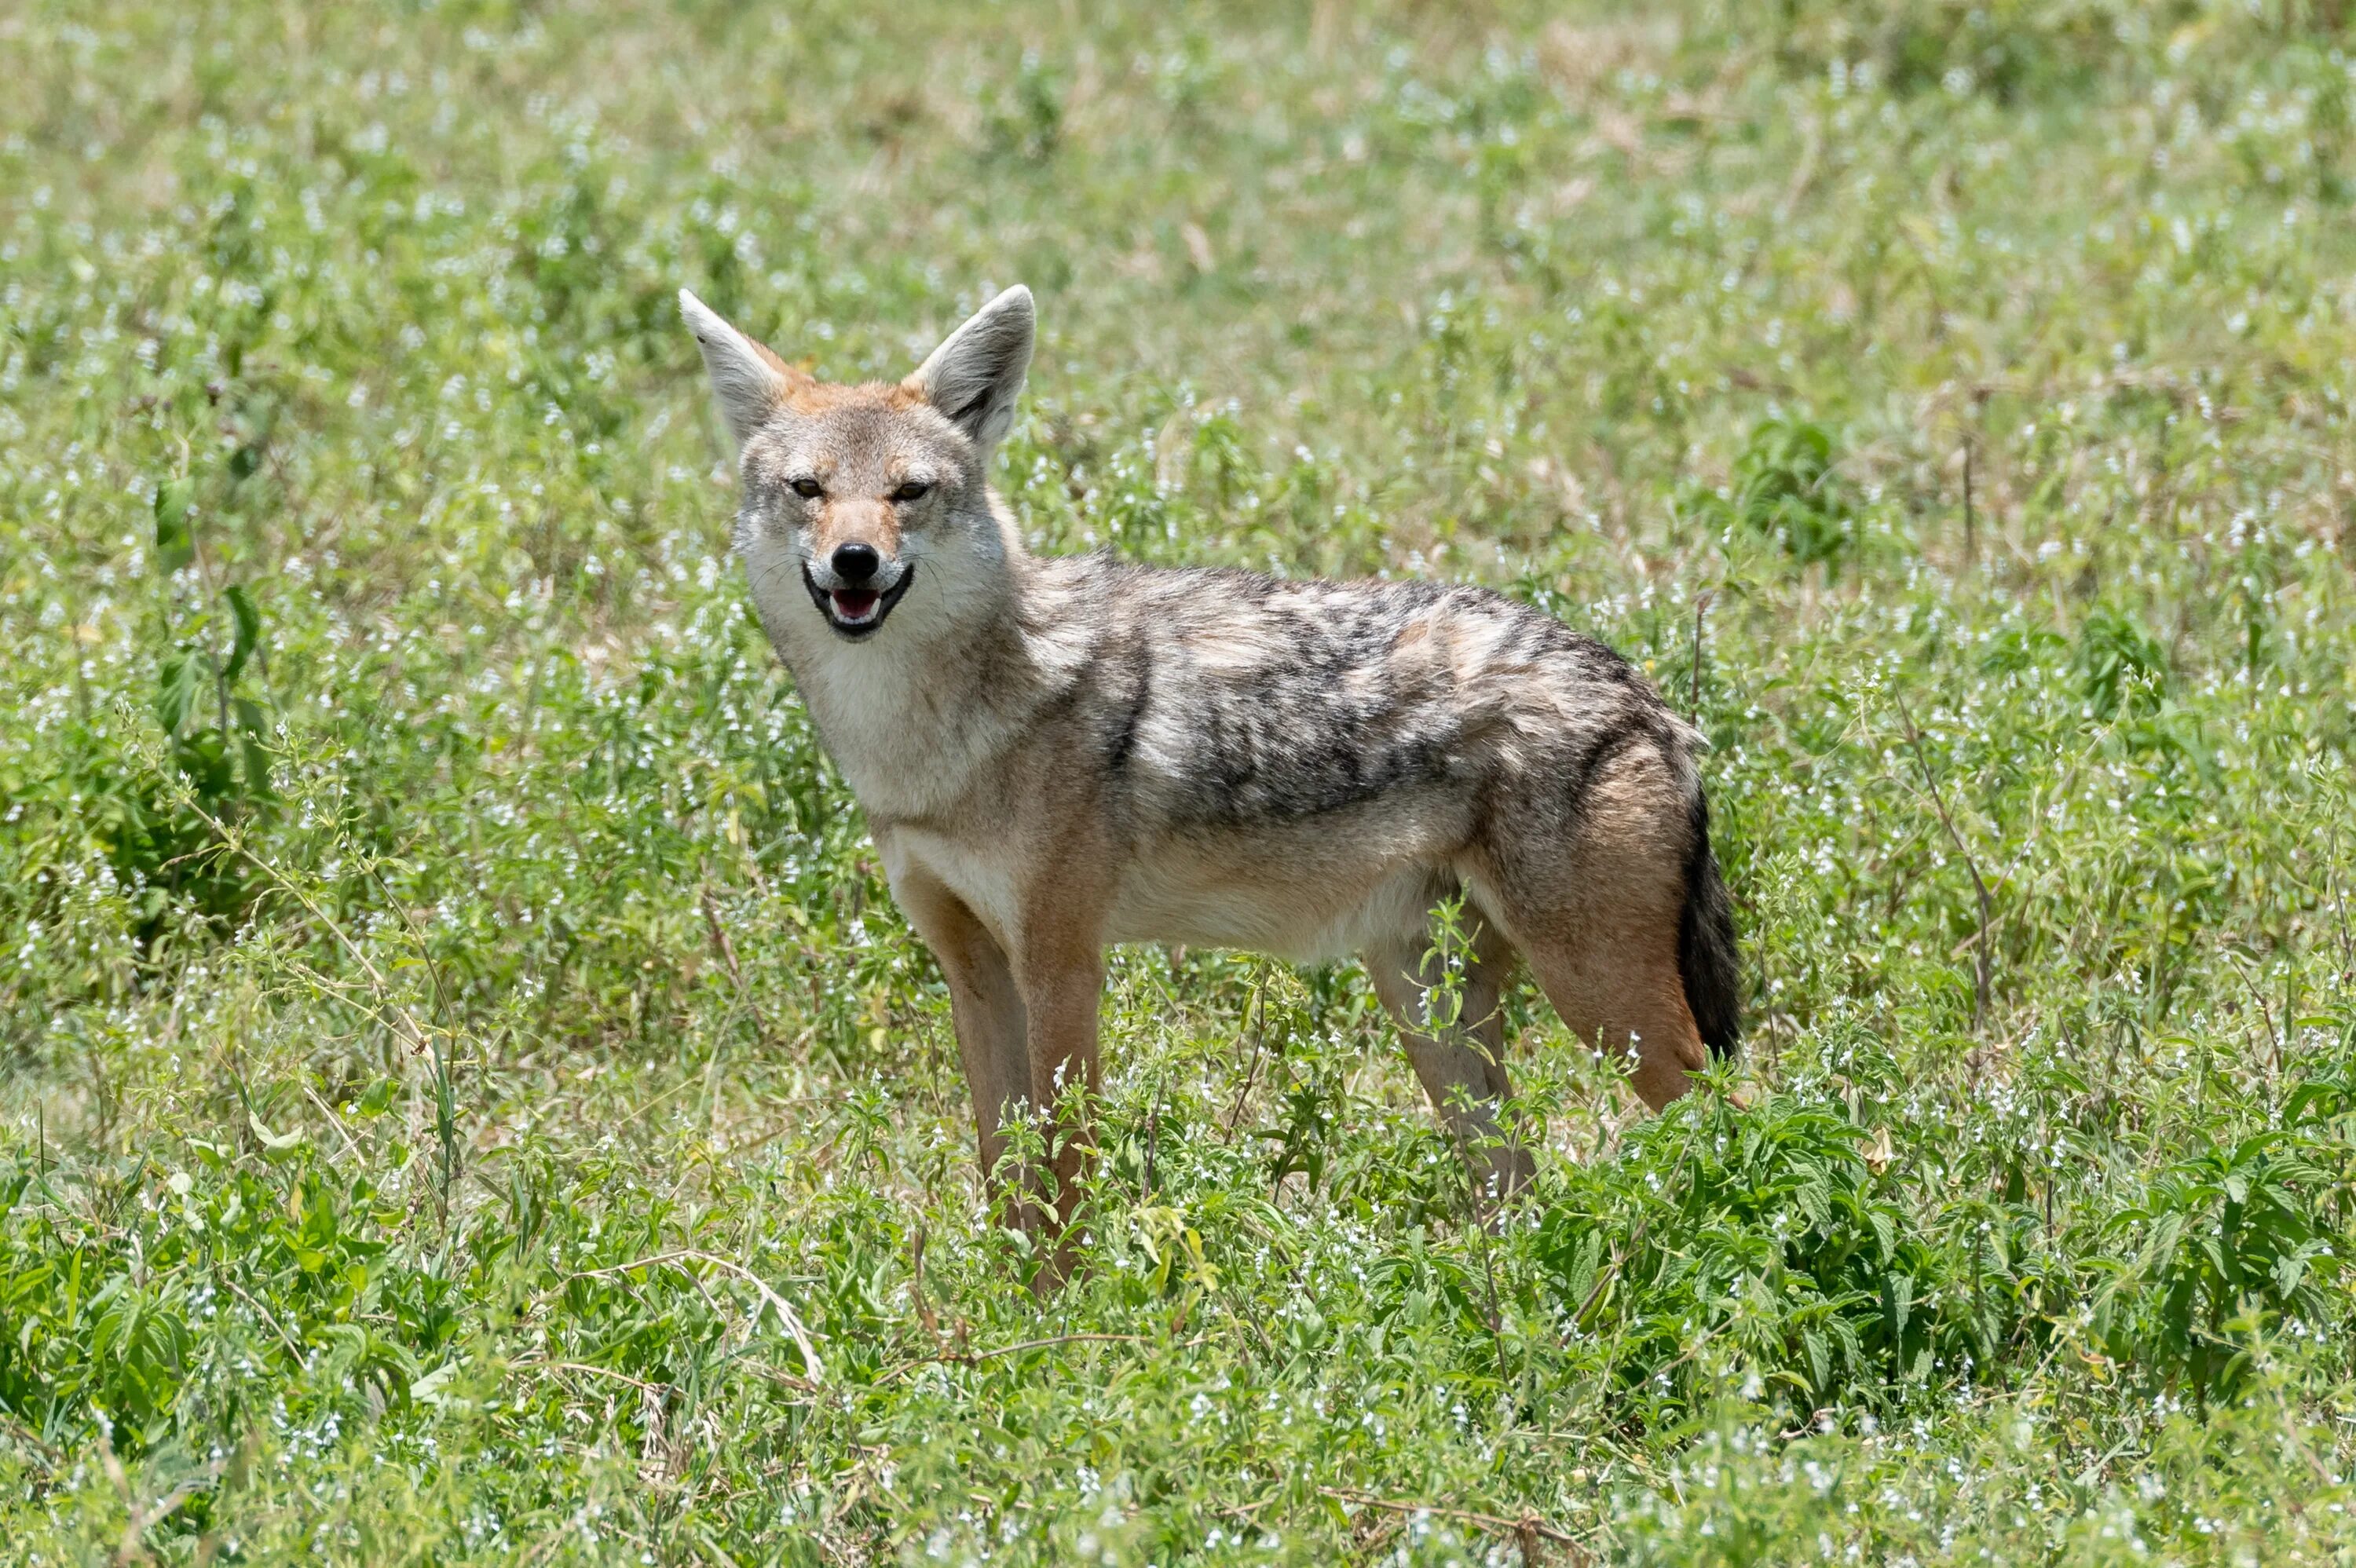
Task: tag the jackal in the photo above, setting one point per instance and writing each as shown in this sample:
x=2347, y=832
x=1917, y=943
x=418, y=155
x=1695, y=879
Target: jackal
x=1057, y=753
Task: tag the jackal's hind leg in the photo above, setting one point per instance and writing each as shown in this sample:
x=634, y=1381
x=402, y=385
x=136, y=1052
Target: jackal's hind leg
x=1461, y=1060
x=1595, y=910
x=1617, y=994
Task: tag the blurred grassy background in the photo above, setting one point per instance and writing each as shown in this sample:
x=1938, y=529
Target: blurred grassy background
x=468, y=1095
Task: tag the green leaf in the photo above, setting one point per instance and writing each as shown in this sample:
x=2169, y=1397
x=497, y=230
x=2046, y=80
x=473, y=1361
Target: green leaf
x=175, y=545
x=275, y=1142
x=253, y=754
x=176, y=692
x=1820, y=1360
x=255, y=760
x=248, y=629
x=1582, y=1278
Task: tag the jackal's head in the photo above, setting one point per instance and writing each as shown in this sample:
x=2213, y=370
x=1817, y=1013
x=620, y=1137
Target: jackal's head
x=875, y=496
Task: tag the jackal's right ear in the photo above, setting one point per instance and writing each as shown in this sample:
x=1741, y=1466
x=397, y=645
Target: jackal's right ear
x=748, y=378
x=976, y=375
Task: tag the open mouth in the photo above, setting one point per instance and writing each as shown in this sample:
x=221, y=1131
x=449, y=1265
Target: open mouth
x=856, y=612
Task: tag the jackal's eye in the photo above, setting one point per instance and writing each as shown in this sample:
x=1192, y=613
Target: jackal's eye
x=914, y=490
x=809, y=489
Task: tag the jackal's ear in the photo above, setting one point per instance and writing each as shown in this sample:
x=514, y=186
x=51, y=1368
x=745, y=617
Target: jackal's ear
x=976, y=375
x=748, y=378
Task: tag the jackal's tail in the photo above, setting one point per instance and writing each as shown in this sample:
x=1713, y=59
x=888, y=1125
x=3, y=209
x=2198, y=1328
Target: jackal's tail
x=1707, y=958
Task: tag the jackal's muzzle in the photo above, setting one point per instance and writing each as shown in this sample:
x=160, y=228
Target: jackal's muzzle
x=856, y=590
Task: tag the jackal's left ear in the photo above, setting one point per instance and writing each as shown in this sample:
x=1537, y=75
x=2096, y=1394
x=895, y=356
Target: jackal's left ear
x=976, y=375
x=747, y=378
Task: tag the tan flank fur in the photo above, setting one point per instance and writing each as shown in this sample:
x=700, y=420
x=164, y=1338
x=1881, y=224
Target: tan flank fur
x=1057, y=753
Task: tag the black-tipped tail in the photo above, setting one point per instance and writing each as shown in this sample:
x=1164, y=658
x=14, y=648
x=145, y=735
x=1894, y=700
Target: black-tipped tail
x=1706, y=959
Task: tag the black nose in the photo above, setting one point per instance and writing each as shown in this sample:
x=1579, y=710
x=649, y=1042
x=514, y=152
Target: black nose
x=856, y=563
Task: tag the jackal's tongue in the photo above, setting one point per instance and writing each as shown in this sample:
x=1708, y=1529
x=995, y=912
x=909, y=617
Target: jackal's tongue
x=854, y=604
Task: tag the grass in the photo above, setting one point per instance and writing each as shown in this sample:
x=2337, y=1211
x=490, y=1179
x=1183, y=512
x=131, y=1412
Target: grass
x=468, y=1096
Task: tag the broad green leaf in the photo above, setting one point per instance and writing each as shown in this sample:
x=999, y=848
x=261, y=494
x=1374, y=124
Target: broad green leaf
x=1820, y=1365
x=248, y=629
x=275, y=1142
x=175, y=545
x=176, y=692
x=254, y=756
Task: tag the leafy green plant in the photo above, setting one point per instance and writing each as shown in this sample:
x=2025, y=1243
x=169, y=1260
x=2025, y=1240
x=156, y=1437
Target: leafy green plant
x=226, y=761
x=1787, y=489
x=1772, y=1250
x=2120, y=664
x=2228, y=1243
x=1027, y=121
x=160, y=828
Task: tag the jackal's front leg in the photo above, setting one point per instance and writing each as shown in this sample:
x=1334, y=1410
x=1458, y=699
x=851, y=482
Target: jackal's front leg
x=984, y=1004
x=1059, y=970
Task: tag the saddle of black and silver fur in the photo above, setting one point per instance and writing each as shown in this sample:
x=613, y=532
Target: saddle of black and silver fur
x=1222, y=703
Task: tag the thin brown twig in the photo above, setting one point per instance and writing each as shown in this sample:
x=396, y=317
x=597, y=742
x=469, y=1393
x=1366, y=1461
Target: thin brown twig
x=25, y=1435
x=549, y=1541
x=2340, y=902
x=1983, y=964
x=432, y=970
x=971, y=1355
x=146, y=1519
x=283, y=1338
x=916, y=1284
x=236, y=843
x=586, y=1367
x=784, y=1308
x=782, y=1379
x=336, y=1122
x=2276, y=1042
x=1259, y=1039
x=727, y=951
x=1701, y=607
x=1804, y=170
x=974, y=1358
x=1971, y=519
x=1528, y=1524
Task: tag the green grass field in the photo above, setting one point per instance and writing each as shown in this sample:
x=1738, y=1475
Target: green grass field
x=465, y=1095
